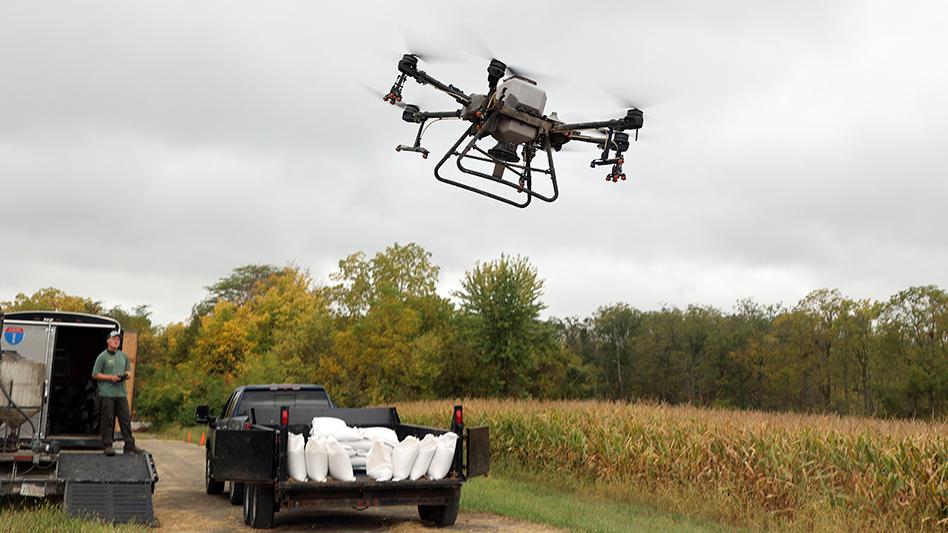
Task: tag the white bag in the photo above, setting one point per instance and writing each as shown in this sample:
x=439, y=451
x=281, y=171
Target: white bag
x=347, y=434
x=317, y=459
x=443, y=456
x=384, y=434
x=339, y=466
x=426, y=451
x=403, y=457
x=359, y=445
x=379, y=462
x=295, y=460
x=325, y=426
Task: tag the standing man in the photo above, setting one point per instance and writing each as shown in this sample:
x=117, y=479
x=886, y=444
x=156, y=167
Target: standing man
x=111, y=369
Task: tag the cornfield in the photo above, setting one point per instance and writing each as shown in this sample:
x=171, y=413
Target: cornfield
x=882, y=474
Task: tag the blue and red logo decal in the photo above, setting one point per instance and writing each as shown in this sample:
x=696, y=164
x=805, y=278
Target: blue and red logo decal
x=13, y=335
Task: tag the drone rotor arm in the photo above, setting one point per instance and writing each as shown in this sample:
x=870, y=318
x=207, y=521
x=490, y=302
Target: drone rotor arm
x=458, y=95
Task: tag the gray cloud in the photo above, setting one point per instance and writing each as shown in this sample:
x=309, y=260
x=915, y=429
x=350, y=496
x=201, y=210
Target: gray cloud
x=148, y=148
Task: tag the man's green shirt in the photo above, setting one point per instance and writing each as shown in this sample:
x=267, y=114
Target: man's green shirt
x=115, y=364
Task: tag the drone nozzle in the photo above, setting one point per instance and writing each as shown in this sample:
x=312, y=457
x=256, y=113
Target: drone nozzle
x=495, y=71
x=504, y=151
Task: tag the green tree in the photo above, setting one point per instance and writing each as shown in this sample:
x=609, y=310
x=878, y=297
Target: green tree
x=393, y=329
x=742, y=378
x=238, y=287
x=501, y=300
x=915, y=325
x=52, y=299
x=402, y=271
x=614, y=326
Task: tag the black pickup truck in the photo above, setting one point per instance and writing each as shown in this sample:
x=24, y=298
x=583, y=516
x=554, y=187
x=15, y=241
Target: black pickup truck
x=247, y=448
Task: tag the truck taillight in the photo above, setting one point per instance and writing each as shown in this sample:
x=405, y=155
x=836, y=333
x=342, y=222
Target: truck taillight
x=284, y=415
x=247, y=425
x=458, y=415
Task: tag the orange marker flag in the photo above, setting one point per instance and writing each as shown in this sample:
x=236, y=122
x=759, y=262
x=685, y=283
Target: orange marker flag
x=202, y=438
x=189, y=436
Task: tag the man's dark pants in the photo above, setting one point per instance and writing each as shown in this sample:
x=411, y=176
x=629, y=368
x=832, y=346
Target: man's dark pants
x=112, y=407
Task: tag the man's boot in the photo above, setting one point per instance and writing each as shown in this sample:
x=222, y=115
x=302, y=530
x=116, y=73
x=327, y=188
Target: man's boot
x=110, y=451
x=134, y=449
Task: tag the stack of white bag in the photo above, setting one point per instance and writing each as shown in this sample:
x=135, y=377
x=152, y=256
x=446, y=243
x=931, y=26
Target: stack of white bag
x=413, y=458
x=355, y=442
x=335, y=449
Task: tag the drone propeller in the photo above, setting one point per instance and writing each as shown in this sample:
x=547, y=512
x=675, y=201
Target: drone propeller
x=476, y=46
x=647, y=96
x=426, y=48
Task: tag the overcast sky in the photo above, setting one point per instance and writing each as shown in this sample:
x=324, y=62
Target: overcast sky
x=147, y=148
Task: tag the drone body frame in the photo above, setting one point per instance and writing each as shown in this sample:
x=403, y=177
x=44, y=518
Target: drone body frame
x=514, y=124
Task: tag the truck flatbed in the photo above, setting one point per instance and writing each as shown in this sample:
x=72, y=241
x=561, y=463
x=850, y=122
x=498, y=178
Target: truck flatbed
x=248, y=449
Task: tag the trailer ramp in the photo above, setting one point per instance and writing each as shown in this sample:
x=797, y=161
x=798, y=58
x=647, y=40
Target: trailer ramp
x=115, y=489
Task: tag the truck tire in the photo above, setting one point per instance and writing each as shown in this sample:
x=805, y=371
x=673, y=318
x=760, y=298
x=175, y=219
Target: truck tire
x=211, y=486
x=262, y=507
x=442, y=515
x=236, y=493
x=248, y=504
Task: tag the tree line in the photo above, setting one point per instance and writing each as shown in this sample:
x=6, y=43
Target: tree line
x=380, y=332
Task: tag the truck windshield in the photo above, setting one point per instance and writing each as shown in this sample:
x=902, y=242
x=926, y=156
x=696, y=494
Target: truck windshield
x=274, y=399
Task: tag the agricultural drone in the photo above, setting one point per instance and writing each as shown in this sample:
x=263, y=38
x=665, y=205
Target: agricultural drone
x=512, y=114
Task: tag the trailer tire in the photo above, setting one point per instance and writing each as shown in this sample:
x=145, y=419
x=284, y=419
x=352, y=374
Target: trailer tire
x=211, y=486
x=442, y=515
x=236, y=493
x=248, y=504
x=262, y=507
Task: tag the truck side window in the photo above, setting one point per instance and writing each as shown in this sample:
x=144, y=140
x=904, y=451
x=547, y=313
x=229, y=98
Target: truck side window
x=233, y=403
x=227, y=406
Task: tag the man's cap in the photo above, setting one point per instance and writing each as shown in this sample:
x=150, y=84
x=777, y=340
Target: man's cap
x=115, y=333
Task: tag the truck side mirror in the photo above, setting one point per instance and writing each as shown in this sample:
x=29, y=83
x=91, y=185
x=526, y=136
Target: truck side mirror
x=202, y=415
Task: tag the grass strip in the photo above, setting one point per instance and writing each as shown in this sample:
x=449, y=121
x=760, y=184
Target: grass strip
x=567, y=509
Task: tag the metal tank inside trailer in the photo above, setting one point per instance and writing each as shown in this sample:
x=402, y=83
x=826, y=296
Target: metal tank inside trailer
x=21, y=389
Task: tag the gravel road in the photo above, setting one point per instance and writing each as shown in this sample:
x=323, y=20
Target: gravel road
x=182, y=505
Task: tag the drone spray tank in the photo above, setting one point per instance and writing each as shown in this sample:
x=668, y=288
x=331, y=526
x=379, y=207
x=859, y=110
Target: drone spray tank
x=520, y=94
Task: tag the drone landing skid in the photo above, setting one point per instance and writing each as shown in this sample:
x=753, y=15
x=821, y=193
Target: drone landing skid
x=524, y=172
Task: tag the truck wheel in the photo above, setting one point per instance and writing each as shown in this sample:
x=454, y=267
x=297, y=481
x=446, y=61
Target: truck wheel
x=442, y=515
x=236, y=493
x=248, y=504
x=211, y=486
x=262, y=507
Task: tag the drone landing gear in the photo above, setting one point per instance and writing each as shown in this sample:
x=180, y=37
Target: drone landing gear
x=504, y=158
x=416, y=147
